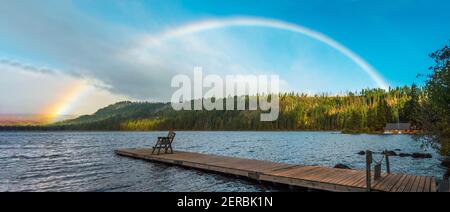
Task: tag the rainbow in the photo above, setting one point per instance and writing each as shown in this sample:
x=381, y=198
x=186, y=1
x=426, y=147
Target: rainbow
x=67, y=100
x=73, y=93
x=212, y=24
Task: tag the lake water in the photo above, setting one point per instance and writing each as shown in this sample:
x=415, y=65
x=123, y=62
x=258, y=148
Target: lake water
x=85, y=161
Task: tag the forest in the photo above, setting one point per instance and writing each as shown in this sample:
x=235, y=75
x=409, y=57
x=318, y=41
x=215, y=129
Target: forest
x=364, y=111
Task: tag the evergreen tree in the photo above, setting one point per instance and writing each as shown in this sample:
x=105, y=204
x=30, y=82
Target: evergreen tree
x=435, y=115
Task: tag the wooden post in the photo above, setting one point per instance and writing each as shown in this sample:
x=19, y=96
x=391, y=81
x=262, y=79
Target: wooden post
x=368, y=170
x=388, y=165
x=377, y=172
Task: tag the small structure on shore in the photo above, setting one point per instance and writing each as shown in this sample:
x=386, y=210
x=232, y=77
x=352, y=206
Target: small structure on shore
x=399, y=128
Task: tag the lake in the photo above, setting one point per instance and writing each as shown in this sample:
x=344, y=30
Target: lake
x=85, y=161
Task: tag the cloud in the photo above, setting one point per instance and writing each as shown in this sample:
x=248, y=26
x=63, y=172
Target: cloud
x=26, y=67
x=125, y=62
x=80, y=44
x=113, y=55
x=31, y=92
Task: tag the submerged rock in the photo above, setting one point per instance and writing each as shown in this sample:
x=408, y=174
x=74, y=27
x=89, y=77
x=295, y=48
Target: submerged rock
x=404, y=155
x=421, y=155
x=361, y=153
x=341, y=166
x=389, y=153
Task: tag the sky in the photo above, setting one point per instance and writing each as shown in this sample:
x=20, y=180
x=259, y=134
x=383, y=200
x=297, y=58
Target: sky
x=73, y=57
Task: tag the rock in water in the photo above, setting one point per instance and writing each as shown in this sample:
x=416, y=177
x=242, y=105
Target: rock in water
x=404, y=155
x=361, y=153
x=389, y=153
x=341, y=166
x=421, y=155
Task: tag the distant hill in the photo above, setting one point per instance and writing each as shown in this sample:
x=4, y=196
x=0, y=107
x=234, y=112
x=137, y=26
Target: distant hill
x=112, y=117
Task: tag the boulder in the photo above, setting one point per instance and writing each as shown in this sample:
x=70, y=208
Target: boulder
x=421, y=155
x=361, y=153
x=341, y=166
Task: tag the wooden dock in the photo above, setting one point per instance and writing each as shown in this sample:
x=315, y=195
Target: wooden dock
x=313, y=177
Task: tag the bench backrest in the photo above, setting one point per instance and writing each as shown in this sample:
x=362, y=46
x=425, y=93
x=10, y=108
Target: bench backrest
x=171, y=136
x=166, y=140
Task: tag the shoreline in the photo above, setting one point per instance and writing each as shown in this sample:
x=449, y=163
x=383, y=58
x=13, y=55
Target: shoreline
x=51, y=129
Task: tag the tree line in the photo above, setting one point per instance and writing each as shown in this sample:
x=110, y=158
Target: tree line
x=365, y=111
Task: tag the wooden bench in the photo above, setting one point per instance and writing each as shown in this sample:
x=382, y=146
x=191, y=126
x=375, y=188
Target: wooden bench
x=164, y=143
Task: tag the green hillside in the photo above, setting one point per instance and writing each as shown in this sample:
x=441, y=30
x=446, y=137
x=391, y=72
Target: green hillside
x=111, y=117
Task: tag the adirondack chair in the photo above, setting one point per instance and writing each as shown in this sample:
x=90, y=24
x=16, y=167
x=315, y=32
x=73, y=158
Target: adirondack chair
x=164, y=143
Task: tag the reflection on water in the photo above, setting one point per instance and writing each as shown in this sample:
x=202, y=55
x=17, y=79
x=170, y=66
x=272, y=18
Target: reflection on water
x=85, y=161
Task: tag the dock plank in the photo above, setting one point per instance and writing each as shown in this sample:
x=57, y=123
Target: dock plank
x=313, y=177
x=433, y=185
x=404, y=184
x=420, y=184
x=399, y=183
x=388, y=182
x=410, y=185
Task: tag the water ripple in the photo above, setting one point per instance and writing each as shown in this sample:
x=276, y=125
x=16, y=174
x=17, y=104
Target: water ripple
x=74, y=161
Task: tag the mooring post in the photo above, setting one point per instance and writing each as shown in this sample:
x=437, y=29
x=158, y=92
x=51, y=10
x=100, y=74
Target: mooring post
x=368, y=170
x=388, y=165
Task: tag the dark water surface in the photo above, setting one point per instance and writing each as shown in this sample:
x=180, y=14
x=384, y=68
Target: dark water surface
x=85, y=161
